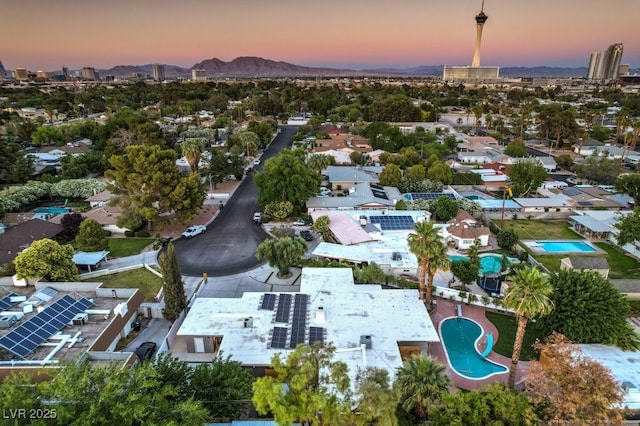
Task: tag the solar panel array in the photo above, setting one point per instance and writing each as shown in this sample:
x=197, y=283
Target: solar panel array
x=391, y=223
x=6, y=303
x=268, y=302
x=299, y=320
x=430, y=195
x=284, y=308
x=316, y=334
x=279, y=337
x=23, y=339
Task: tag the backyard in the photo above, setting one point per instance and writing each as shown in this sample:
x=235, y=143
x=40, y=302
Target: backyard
x=542, y=230
x=148, y=283
x=507, y=327
x=120, y=247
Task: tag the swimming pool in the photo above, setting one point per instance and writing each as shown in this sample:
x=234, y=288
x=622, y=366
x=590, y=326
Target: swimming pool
x=489, y=264
x=561, y=246
x=52, y=210
x=459, y=336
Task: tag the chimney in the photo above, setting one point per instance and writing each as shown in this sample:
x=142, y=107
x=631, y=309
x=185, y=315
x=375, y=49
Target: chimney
x=320, y=314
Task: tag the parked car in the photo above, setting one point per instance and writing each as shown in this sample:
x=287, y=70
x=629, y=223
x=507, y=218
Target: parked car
x=256, y=162
x=301, y=222
x=146, y=351
x=192, y=231
x=257, y=218
x=307, y=235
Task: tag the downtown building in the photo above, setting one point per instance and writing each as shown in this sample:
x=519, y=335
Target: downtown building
x=158, y=72
x=606, y=65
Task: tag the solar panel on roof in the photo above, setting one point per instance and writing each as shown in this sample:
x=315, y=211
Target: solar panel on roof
x=299, y=320
x=23, y=339
x=268, y=302
x=6, y=303
x=376, y=186
x=279, y=338
x=571, y=192
x=379, y=194
x=284, y=307
x=316, y=334
x=585, y=203
x=430, y=195
x=391, y=223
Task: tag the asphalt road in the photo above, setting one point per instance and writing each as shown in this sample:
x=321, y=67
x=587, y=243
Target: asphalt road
x=229, y=245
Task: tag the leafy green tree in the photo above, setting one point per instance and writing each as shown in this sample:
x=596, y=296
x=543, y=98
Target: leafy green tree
x=319, y=162
x=71, y=224
x=421, y=382
x=440, y=172
x=390, y=175
x=516, y=149
x=425, y=243
x=601, y=170
x=395, y=108
x=581, y=316
x=571, y=388
x=528, y=297
x=282, y=253
x=630, y=185
x=287, y=178
x=321, y=225
x=175, y=373
x=465, y=271
x=526, y=177
x=416, y=173
x=223, y=386
x=507, y=239
x=445, y=208
x=628, y=228
x=218, y=167
x=357, y=157
x=47, y=135
x=493, y=404
x=175, y=299
x=310, y=387
x=370, y=274
x=91, y=236
x=147, y=184
x=279, y=210
x=86, y=394
x=564, y=160
x=47, y=259
x=600, y=133
x=192, y=149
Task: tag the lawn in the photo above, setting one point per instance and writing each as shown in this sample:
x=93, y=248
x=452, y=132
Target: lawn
x=120, y=247
x=148, y=283
x=507, y=328
x=542, y=230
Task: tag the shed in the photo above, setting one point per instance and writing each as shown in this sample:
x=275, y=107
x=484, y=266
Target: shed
x=590, y=263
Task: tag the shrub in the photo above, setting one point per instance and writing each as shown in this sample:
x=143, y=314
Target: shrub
x=129, y=234
x=142, y=234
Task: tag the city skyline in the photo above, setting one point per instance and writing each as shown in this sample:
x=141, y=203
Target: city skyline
x=378, y=33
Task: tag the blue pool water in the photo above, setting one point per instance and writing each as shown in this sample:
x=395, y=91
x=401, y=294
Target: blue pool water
x=52, y=210
x=488, y=264
x=566, y=246
x=459, y=336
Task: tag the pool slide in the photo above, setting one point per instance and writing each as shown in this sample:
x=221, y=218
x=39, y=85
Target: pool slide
x=489, y=346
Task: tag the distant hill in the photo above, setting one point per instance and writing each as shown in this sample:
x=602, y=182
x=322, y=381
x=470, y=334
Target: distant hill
x=249, y=66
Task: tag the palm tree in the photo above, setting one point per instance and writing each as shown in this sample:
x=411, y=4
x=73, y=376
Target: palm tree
x=249, y=141
x=528, y=297
x=319, y=162
x=439, y=261
x=420, y=382
x=192, y=151
x=425, y=243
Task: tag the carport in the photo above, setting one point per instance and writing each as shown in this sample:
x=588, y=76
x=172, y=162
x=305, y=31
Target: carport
x=90, y=259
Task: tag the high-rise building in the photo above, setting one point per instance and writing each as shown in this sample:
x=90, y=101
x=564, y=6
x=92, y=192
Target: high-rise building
x=88, y=73
x=475, y=71
x=65, y=72
x=3, y=73
x=158, y=72
x=21, y=74
x=606, y=65
x=481, y=18
x=198, y=75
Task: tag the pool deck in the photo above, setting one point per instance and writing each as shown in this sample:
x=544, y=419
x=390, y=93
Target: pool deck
x=446, y=309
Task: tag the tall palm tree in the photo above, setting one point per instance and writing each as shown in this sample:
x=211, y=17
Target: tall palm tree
x=439, y=261
x=425, y=243
x=528, y=297
x=420, y=382
x=192, y=149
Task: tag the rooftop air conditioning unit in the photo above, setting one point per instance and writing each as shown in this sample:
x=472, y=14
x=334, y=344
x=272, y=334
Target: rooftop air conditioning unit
x=365, y=339
x=248, y=322
x=80, y=319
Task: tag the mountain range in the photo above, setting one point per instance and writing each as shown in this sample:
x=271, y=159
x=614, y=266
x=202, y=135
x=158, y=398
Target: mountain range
x=248, y=66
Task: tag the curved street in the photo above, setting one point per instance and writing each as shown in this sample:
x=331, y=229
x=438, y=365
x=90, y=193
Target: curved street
x=229, y=245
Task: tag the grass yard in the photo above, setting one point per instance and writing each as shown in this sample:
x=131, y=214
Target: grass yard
x=148, y=283
x=542, y=230
x=507, y=328
x=620, y=265
x=120, y=247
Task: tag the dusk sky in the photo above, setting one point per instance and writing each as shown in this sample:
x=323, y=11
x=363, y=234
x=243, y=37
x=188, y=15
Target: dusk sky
x=356, y=34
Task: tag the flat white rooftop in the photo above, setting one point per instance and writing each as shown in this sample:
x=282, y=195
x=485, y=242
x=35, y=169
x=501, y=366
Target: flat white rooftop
x=350, y=311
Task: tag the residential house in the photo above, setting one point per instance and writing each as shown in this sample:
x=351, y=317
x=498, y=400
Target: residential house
x=343, y=177
x=361, y=196
x=464, y=230
x=19, y=237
